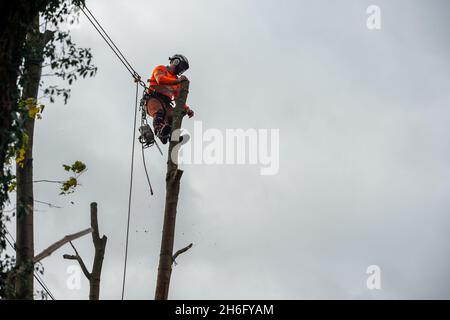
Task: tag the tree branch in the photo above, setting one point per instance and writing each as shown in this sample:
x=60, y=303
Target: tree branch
x=80, y=261
x=49, y=181
x=60, y=243
x=49, y=204
x=180, y=252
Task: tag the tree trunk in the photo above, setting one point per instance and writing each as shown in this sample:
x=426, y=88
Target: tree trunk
x=12, y=36
x=173, y=178
x=24, y=171
x=15, y=17
x=100, y=245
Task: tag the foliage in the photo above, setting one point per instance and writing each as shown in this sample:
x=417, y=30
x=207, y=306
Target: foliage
x=65, y=59
x=8, y=263
x=77, y=168
x=26, y=109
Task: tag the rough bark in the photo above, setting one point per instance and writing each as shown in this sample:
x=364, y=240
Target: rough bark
x=24, y=171
x=15, y=18
x=173, y=177
x=99, y=245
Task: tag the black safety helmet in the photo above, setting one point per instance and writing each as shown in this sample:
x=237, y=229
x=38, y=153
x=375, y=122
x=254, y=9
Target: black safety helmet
x=181, y=63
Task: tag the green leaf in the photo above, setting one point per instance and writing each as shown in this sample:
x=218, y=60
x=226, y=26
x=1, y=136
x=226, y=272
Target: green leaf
x=78, y=167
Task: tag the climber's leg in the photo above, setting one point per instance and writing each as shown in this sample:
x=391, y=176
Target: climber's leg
x=155, y=109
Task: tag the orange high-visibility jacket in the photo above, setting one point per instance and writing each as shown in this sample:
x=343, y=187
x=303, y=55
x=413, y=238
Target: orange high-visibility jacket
x=162, y=82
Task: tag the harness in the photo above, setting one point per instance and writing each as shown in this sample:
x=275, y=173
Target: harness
x=163, y=99
x=147, y=137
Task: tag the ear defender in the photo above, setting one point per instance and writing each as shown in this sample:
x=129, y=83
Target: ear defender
x=180, y=62
x=175, y=61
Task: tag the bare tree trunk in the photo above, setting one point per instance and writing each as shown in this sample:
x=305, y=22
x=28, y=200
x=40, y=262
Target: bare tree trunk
x=99, y=245
x=24, y=171
x=173, y=177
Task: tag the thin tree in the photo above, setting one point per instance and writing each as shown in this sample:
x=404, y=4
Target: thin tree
x=24, y=169
x=173, y=177
x=40, y=47
x=15, y=18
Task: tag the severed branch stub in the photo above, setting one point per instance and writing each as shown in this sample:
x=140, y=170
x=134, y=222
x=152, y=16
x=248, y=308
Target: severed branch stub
x=180, y=252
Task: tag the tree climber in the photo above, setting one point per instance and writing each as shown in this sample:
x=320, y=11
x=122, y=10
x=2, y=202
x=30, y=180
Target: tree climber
x=164, y=87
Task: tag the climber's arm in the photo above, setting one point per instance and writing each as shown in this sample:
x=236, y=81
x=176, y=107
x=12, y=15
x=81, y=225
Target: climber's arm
x=162, y=78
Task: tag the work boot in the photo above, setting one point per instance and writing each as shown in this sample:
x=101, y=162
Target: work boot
x=159, y=124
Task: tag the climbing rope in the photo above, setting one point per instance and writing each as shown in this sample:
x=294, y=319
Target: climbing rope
x=143, y=141
x=129, y=196
x=101, y=31
x=137, y=78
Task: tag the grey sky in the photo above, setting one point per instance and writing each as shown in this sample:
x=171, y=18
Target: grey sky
x=364, y=151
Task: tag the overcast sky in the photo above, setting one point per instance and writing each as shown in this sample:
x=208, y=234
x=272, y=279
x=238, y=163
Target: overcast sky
x=364, y=151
